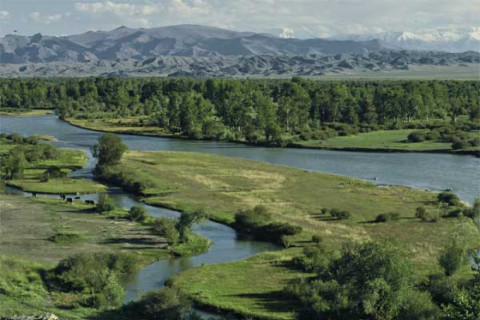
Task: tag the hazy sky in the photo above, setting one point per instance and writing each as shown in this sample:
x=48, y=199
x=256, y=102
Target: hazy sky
x=308, y=18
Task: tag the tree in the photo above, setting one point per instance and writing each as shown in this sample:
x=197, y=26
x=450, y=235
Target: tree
x=105, y=203
x=448, y=198
x=368, y=280
x=466, y=302
x=452, y=257
x=13, y=166
x=137, y=213
x=167, y=304
x=187, y=221
x=165, y=228
x=109, y=149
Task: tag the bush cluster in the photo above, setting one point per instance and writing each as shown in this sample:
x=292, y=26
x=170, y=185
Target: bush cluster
x=257, y=222
x=95, y=277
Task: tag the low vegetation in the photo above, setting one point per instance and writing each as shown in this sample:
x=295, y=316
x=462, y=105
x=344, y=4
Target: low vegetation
x=308, y=210
x=42, y=168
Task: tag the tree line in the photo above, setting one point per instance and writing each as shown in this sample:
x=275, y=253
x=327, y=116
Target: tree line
x=248, y=109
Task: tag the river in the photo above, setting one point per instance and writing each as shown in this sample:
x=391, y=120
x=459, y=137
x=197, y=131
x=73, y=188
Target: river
x=430, y=171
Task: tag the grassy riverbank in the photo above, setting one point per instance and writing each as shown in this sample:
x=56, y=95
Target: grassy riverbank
x=52, y=230
x=25, y=112
x=222, y=186
x=376, y=141
x=64, y=159
x=385, y=140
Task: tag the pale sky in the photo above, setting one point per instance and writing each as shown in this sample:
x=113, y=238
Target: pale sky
x=307, y=18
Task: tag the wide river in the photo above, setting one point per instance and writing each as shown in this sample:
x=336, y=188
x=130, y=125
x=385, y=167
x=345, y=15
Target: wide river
x=430, y=171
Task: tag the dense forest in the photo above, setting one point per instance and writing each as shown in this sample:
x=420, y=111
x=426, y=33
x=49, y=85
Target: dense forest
x=251, y=110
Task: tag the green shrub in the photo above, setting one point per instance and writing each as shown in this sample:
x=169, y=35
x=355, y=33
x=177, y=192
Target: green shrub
x=96, y=276
x=165, y=228
x=167, y=304
x=416, y=136
x=452, y=257
x=426, y=215
x=137, y=213
x=386, y=217
x=340, y=214
x=448, y=198
x=105, y=203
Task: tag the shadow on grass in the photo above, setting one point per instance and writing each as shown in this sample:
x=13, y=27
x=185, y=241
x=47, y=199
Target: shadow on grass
x=139, y=241
x=275, y=301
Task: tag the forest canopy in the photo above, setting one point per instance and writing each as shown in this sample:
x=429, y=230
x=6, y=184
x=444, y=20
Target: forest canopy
x=249, y=109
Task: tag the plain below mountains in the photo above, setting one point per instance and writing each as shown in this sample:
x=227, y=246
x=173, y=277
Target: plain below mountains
x=199, y=51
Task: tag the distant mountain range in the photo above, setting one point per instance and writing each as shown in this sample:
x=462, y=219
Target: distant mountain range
x=448, y=40
x=201, y=51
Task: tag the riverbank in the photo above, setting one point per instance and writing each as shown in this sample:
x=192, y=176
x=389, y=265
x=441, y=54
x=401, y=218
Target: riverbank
x=376, y=141
x=44, y=157
x=54, y=230
x=51, y=231
x=25, y=112
x=222, y=186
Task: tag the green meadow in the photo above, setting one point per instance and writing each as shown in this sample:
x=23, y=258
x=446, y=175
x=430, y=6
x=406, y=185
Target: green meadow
x=222, y=186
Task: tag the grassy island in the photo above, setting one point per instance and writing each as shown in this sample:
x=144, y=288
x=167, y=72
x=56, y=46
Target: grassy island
x=223, y=186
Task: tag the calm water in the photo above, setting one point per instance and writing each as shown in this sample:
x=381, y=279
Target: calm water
x=417, y=170
x=426, y=171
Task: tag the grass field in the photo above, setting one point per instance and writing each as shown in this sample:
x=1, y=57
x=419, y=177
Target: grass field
x=39, y=245
x=391, y=140
x=68, y=161
x=222, y=186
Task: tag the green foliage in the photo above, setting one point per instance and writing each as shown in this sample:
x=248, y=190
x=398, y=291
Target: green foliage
x=448, y=198
x=387, y=217
x=416, y=136
x=109, y=149
x=426, y=215
x=105, y=203
x=452, y=257
x=257, y=111
x=137, y=213
x=466, y=300
x=97, y=277
x=165, y=228
x=367, y=281
x=257, y=221
x=167, y=304
x=187, y=221
x=340, y=214
x=13, y=166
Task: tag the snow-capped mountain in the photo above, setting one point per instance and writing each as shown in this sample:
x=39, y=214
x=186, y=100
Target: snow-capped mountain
x=448, y=39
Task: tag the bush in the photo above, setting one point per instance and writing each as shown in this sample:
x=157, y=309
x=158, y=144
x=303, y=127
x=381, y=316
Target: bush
x=340, y=214
x=165, y=228
x=425, y=215
x=432, y=135
x=96, y=276
x=257, y=222
x=459, y=144
x=317, y=239
x=105, y=203
x=248, y=220
x=386, y=217
x=452, y=257
x=416, y=136
x=137, y=213
x=167, y=304
x=448, y=198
